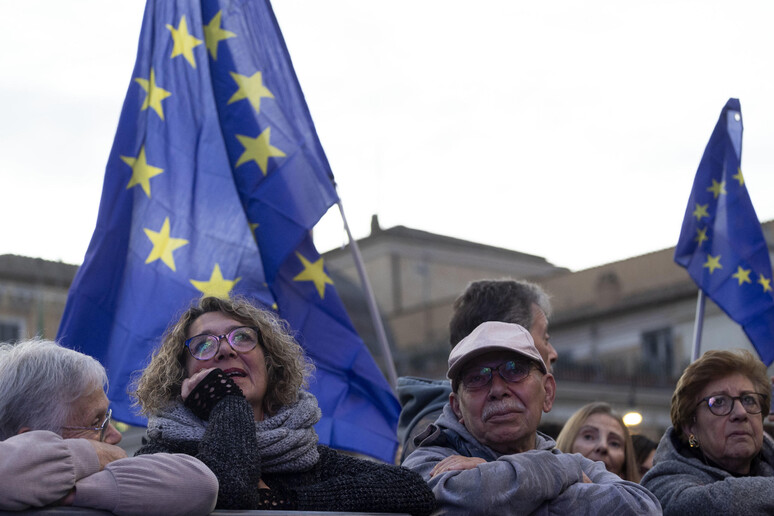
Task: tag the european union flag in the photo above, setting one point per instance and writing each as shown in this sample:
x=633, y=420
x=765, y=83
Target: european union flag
x=214, y=181
x=721, y=243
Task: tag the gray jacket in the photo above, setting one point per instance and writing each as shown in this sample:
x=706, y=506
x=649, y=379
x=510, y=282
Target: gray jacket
x=539, y=481
x=686, y=485
x=421, y=402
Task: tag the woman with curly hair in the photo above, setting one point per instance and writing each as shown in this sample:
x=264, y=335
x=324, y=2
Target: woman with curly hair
x=226, y=386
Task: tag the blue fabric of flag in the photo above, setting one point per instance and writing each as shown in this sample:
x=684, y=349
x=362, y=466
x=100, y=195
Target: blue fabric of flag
x=214, y=181
x=721, y=242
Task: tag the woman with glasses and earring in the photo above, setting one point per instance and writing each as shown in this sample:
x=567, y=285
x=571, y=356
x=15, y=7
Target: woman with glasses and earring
x=716, y=459
x=226, y=386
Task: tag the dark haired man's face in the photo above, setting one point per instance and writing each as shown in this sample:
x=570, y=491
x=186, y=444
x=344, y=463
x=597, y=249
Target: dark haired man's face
x=539, y=332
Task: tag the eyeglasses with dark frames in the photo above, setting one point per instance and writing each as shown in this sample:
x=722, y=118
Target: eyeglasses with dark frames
x=101, y=428
x=206, y=346
x=511, y=371
x=722, y=404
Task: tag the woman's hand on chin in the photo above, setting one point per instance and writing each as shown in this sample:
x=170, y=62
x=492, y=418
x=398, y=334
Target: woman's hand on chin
x=189, y=384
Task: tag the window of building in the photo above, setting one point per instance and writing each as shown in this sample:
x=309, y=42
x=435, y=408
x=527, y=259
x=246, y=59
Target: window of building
x=10, y=331
x=658, y=351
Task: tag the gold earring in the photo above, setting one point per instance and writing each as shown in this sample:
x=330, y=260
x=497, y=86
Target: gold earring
x=692, y=441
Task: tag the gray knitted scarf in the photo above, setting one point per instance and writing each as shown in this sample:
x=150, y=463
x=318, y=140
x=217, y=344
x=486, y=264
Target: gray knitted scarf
x=287, y=441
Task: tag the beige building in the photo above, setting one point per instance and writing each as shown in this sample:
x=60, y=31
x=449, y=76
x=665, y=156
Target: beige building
x=33, y=293
x=623, y=330
x=415, y=276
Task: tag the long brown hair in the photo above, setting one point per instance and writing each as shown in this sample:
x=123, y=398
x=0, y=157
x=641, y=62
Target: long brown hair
x=566, y=438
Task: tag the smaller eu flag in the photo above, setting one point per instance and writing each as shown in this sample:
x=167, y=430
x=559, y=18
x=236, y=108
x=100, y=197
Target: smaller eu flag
x=721, y=242
x=215, y=179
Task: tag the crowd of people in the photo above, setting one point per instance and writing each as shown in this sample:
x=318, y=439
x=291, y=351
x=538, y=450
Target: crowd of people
x=231, y=426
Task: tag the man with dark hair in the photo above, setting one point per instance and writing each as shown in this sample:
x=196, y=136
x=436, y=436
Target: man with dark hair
x=505, y=300
x=518, y=302
x=484, y=453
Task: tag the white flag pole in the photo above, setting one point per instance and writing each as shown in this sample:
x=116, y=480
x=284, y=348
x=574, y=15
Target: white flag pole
x=697, y=327
x=381, y=336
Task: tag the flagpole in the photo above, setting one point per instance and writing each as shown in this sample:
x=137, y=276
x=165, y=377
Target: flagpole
x=697, y=327
x=381, y=336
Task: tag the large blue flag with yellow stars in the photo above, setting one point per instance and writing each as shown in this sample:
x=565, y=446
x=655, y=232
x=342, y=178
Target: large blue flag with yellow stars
x=214, y=181
x=721, y=243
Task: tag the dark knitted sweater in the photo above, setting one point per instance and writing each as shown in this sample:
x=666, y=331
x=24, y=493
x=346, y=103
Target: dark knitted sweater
x=336, y=483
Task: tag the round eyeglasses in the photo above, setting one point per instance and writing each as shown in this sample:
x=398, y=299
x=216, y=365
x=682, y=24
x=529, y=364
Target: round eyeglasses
x=722, y=404
x=510, y=371
x=101, y=428
x=206, y=346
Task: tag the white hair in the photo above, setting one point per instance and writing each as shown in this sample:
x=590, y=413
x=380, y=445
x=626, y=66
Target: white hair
x=39, y=381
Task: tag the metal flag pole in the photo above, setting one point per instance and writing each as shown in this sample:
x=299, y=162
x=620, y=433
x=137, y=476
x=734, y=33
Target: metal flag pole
x=697, y=327
x=381, y=336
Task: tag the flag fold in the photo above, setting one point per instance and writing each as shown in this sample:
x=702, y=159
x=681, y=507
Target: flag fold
x=721, y=243
x=214, y=181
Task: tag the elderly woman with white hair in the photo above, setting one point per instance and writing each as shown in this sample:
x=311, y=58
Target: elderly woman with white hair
x=58, y=446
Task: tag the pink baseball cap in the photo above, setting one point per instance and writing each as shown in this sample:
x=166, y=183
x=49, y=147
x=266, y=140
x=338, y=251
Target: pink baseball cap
x=492, y=336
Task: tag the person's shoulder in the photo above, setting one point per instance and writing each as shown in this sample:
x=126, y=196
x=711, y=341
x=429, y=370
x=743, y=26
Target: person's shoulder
x=330, y=455
x=33, y=436
x=768, y=448
x=422, y=401
x=545, y=442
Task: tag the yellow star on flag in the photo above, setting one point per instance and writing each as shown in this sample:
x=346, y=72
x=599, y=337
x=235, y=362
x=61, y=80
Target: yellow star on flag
x=250, y=88
x=253, y=227
x=184, y=42
x=258, y=149
x=717, y=188
x=712, y=263
x=216, y=286
x=743, y=275
x=213, y=35
x=163, y=245
x=701, y=211
x=765, y=283
x=701, y=236
x=314, y=272
x=141, y=171
x=739, y=177
x=154, y=94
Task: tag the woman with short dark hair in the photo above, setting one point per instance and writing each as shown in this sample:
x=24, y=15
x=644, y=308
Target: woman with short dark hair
x=716, y=459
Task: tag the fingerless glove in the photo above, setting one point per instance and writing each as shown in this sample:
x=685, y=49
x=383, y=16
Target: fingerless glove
x=213, y=388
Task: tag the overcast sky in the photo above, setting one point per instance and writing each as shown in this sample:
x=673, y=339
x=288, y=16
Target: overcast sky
x=570, y=130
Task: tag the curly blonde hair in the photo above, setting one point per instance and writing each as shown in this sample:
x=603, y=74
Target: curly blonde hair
x=288, y=368
x=566, y=438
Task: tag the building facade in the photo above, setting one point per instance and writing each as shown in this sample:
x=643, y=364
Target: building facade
x=33, y=293
x=623, y=330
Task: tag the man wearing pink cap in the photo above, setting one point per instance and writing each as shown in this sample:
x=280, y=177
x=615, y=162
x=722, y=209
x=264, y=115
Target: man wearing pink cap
x=484, y=453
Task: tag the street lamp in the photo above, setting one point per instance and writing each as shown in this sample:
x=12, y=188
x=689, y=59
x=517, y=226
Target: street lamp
x=632, y=418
